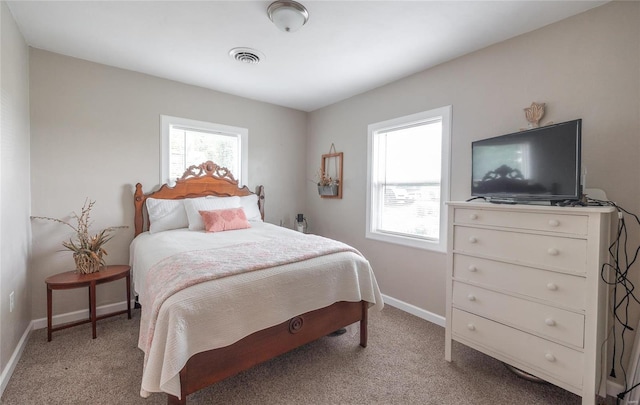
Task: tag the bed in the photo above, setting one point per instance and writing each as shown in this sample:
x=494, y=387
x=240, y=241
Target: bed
x=260, y=307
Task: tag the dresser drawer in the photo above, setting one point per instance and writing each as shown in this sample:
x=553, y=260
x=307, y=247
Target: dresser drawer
x=543, y=320
x=565, y=364
x=558, y=288
x=570, y=224
x=567, y=254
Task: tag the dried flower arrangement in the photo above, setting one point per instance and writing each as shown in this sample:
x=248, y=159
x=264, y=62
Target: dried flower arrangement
x=327, y=186
x=324, y=180
x=88, y=251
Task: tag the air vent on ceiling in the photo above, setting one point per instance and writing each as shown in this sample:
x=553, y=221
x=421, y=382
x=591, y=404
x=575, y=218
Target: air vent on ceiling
x=246, y=55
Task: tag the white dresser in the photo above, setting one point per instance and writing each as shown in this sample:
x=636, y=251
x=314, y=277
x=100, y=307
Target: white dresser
x=524, y=286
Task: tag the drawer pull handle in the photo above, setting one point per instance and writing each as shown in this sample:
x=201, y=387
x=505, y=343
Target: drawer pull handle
x=554, y=222
x=553, y=251
x=552, y=287
x=473, y=268
x=471, y=297
x=471, y=327
x=550, y=322
x=473, y=239
x=473, y=216
x=550, y=357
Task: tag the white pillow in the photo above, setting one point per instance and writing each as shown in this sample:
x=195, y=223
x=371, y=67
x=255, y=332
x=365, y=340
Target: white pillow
x=194, y=205
x=166, y=214
x=250, y=205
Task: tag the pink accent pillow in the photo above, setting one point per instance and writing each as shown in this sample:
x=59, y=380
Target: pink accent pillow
x=224, y=220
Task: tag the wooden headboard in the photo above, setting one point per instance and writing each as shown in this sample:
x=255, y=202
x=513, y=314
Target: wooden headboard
x=197, y=181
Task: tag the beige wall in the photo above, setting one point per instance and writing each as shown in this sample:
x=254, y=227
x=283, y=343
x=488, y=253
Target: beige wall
x=95, y=133
x=14, y=187
x=583, y=67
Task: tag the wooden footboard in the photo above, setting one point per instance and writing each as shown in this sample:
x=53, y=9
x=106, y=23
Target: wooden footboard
x=206, y=368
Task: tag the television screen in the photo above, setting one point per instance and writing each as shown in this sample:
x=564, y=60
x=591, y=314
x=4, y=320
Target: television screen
x=537, y=164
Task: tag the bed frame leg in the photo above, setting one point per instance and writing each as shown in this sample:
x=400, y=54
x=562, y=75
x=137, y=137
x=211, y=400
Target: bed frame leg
x=171, y=400
x=363, y=324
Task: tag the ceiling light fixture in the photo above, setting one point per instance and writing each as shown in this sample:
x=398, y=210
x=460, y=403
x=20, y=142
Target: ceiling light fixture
x=287, y=15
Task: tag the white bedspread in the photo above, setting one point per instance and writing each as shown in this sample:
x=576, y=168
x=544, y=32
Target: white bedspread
x=220, y=312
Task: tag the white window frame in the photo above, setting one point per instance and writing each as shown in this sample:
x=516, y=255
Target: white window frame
x=441, y=244
x=167, y=121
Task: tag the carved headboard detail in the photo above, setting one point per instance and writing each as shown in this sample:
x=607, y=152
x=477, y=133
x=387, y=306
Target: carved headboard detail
x=208, y=168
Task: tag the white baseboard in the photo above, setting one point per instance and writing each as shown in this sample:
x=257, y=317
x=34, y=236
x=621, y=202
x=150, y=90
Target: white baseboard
x=413, y=310
x=15, y=357
x=57, y=320
x=80, y=315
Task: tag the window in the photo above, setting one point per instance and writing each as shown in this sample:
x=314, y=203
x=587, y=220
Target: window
x=187, y=142
x=408, y=179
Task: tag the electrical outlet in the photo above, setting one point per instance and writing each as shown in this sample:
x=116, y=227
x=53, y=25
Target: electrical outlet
x=12, y=301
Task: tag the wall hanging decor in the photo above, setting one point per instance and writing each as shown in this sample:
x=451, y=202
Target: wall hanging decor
x=534, y=114
x=330, y=174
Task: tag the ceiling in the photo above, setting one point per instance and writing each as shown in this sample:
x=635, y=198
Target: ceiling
x=346, y=48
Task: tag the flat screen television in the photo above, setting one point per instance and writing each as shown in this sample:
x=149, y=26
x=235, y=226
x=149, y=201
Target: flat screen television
x=540, y=164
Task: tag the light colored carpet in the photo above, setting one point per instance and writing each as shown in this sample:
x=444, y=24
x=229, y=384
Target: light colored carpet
x=403, y=364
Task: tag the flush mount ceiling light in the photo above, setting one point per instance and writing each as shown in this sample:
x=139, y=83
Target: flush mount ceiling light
x=288, y=16
x=246, y=55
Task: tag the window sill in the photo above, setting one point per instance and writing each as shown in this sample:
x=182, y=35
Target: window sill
x=434, y=246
